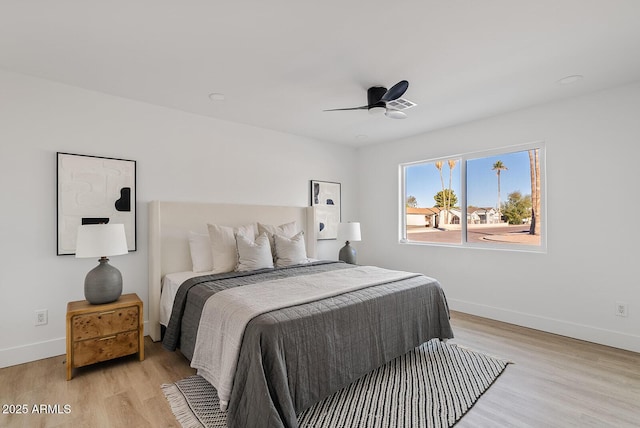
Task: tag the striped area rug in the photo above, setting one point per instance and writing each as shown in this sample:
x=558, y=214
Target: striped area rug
x=432, y=386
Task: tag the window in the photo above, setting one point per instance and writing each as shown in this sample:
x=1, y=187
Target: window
x=491, y=199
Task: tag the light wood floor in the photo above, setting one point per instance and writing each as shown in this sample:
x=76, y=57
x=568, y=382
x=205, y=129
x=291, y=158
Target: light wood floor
x=554, y=382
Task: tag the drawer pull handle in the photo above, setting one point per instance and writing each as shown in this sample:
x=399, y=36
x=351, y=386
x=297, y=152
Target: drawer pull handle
x=107, y=338
x=107, y=313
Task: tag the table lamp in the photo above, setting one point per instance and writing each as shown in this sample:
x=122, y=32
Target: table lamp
x=103, y=284
x=348, y=232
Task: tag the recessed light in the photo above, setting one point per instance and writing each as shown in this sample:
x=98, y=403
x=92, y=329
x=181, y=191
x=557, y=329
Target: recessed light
x=216, y=96
x=574, y=78
x=361, y=137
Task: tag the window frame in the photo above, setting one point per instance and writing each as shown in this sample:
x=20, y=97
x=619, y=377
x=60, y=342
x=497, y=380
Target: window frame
x=463, y=158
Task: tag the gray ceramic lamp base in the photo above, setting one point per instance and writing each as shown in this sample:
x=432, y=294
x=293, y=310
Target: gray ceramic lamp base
x=347, y=254
x=103, y=284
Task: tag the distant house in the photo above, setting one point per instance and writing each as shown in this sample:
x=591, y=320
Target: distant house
x=432, y=217
x=450, y=217
x=436, y=216
x=427, y=217
x=483, y=216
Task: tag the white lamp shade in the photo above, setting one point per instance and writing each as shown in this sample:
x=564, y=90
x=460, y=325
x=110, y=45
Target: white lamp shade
x=101, y=240
x=349, y=231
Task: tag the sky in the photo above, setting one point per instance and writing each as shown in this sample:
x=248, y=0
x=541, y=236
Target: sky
x=423, y=180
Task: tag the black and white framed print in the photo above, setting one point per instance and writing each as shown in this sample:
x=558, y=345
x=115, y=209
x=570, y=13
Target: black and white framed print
x=325, y=196
x=93, y=190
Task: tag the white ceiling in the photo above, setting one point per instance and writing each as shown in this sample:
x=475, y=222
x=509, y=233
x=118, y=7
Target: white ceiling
x=279, y=63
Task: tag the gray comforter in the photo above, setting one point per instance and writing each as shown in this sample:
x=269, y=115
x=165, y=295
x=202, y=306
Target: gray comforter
x=292, y=358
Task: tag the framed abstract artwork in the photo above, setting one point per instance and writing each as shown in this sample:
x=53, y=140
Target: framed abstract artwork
x=93, y=190
x=325, y=196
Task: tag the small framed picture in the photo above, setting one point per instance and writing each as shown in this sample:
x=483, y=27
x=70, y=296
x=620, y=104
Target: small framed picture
x=325, y=196
x=94, y=190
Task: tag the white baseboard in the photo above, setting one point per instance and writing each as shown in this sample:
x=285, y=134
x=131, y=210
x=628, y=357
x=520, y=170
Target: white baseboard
x=588, y=333
x=32, y=352
x=35, y=351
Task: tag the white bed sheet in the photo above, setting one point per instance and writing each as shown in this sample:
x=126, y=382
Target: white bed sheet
x=170, y=284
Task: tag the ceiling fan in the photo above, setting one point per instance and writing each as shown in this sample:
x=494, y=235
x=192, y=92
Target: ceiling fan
x=388, y=100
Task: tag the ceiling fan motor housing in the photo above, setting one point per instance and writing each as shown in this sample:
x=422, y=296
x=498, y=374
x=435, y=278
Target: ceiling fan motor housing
x=374, y=95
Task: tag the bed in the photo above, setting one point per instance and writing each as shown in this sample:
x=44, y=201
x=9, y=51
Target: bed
x=292, y=356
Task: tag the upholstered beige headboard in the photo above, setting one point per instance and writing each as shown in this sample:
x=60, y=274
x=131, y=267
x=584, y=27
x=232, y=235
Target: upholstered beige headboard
x=171, y=222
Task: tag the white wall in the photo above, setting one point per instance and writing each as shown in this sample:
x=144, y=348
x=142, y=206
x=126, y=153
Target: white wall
x=593, y=149
x=180, y=156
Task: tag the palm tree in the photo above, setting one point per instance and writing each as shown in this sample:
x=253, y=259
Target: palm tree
x=452, y=164
x=439, y=166
x=534, y=168
x=499, y=167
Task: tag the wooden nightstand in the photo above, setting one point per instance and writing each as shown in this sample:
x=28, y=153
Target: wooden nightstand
x=102, y=332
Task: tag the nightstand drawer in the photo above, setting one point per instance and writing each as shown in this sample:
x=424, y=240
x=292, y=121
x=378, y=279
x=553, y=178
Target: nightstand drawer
x=104, y=348
x=104, y=323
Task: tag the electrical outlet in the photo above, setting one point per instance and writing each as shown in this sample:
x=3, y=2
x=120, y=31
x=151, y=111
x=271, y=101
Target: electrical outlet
x=42, y=317
x=622, y=309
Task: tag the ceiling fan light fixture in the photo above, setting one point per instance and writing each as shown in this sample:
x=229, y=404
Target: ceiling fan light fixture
x=377, y=110
x=395, y=114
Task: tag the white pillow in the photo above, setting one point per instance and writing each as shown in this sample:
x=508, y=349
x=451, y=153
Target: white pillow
x=200, y=247
x=252, y=254
x=290, y=251
x=287, y=230
x=223, y=245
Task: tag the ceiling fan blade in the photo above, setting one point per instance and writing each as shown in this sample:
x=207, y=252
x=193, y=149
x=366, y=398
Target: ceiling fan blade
x=350, y=108
x=395, y=114
x=395, y=91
